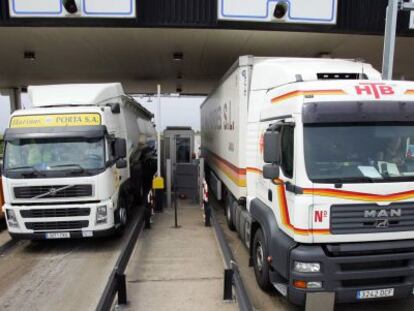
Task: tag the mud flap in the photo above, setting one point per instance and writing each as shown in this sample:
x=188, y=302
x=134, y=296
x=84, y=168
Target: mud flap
x=320, y=301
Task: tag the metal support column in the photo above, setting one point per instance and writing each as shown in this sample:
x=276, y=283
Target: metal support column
x=390, y=34
x=201, y=178
x=389, y=39
x=14, y=95
x=169, y=183
x=228, y=285
x=122, y=292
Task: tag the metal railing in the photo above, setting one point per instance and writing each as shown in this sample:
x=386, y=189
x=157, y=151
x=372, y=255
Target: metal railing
x=116, y=283
x=231, y=273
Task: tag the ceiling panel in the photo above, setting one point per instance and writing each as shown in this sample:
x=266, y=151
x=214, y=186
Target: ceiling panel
x=141, y=58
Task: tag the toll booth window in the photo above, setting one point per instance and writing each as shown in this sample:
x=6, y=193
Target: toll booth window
x=287, y=150
x=183, y=149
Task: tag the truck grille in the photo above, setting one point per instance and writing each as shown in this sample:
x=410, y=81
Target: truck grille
x=57, y=225
x=60, y=212
x=368, y=218
x=57, y=191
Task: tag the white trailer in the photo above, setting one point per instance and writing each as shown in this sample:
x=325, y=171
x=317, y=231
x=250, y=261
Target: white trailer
x=77, y=162
x=315, y=161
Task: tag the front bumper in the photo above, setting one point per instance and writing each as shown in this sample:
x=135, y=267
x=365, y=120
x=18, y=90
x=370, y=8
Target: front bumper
x=73, y=235
x=349, y=268
x=79, y=219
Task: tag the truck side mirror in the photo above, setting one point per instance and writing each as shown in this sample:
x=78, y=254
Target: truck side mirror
x=271, y=150
x=120, y=148
x=271, y=171
x=121, y=163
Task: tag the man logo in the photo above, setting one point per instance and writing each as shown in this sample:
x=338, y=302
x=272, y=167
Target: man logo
x=383, y=213
x=382, y=223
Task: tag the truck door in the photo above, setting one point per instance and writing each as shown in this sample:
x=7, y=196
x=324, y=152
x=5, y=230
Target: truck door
x=280, y=194
x=286, y=187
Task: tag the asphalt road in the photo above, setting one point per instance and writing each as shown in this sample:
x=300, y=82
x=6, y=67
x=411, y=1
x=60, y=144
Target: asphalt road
x=273, y=301
x=55, y=275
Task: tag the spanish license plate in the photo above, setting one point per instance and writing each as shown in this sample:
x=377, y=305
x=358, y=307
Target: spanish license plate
x=375, y=293
x=57, y=235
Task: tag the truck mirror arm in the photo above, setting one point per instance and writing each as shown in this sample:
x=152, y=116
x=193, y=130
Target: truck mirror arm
x=278, y=182
x=293, y=188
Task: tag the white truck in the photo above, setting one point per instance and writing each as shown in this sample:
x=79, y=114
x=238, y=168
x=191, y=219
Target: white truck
x=314, y=160
x=77, y=162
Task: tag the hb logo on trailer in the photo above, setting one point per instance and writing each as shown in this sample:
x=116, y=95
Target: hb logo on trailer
x=288, y=11
x=73, y=8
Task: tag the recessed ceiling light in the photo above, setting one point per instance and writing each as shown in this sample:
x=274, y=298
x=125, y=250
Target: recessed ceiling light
x=178, y=56
x=30, y=55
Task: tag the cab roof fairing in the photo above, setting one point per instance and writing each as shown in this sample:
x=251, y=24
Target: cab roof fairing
x=270, y=73
x=74, y=94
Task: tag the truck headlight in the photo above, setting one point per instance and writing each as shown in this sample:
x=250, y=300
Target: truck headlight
x=307, y=267
x=101, y=214
x=11, y=218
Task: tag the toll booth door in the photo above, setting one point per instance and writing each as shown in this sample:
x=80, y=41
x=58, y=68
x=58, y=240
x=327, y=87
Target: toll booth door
x=180, y=150
x=187, y=180
x=183, y=149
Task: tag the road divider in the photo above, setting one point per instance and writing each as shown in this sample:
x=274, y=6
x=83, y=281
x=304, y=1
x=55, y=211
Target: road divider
x=231, y=273
x=116, y=283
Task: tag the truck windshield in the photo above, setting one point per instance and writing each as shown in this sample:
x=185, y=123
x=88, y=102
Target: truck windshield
x=42, y=156
x=349, y=153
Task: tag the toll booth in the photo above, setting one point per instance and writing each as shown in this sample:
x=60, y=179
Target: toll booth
x=177, y=146
x=179, y=164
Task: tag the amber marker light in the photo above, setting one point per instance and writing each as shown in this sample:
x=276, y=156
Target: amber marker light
x=300, y=284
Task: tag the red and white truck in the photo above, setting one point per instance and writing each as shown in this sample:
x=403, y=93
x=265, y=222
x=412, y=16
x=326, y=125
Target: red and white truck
x=313, y=158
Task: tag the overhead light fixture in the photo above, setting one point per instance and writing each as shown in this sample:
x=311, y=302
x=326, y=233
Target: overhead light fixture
x=178, y=56
x=30, y=55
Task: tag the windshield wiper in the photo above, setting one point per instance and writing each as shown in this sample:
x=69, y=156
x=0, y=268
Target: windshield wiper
x=32, y=169
x=340, y=181
x=81, y=169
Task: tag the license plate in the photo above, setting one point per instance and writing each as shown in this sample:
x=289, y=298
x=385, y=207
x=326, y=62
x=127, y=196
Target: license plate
x=58, y=235
x=375, y=293
x=87, y=234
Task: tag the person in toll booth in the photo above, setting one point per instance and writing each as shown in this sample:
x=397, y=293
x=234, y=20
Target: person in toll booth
x=206, y=206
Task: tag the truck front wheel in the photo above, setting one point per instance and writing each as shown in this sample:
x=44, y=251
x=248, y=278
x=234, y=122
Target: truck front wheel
x=260, y=263
x=121, y=216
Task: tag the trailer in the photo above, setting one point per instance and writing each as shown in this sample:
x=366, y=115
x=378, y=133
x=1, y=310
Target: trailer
x=76, y=164
x=313, y=159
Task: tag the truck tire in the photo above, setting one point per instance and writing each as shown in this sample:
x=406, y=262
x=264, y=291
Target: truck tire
x=230, y=212
x=121, y=216
x=260, y=263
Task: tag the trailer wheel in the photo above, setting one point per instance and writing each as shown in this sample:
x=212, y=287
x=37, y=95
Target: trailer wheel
x=260, y=263
x=229, y=212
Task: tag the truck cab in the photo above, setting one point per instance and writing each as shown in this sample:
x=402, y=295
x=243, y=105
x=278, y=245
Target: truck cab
x=337, y=173
x=69, y=162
